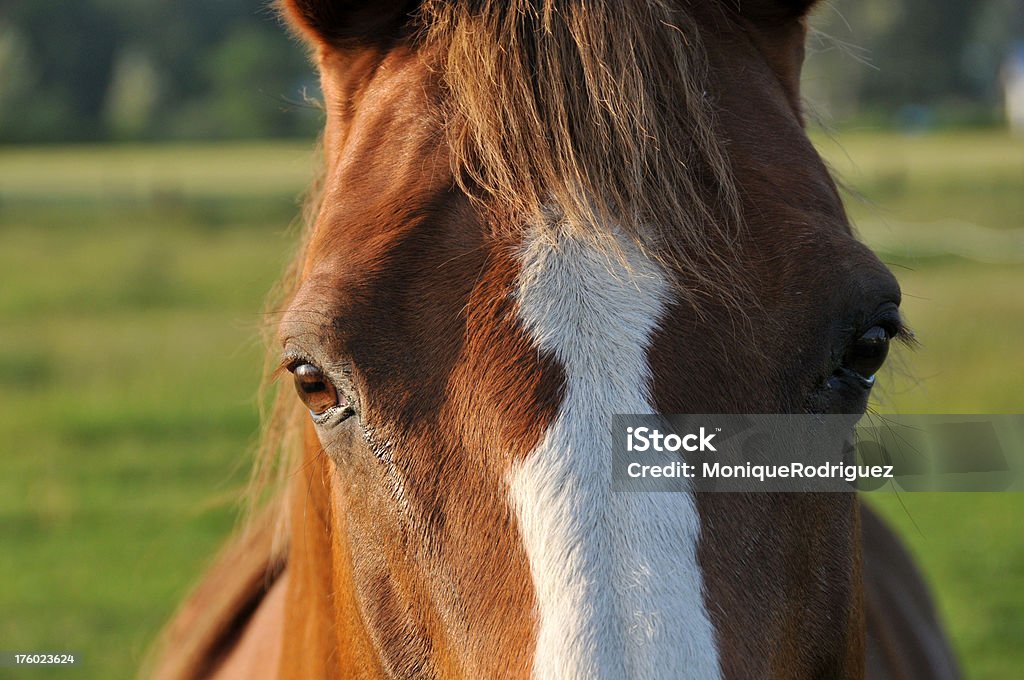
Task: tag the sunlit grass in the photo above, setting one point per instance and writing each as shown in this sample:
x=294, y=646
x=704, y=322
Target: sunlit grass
x=132, y=286
x=161, y=171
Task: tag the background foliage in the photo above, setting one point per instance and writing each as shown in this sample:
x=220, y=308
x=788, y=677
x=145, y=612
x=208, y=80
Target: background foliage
x=910, y=63
x=86, y=70
x=89, y=70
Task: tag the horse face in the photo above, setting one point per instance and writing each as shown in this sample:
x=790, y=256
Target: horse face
x=461, y=366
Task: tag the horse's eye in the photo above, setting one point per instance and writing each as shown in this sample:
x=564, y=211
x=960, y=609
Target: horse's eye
x=867, y=353
x=314, y=388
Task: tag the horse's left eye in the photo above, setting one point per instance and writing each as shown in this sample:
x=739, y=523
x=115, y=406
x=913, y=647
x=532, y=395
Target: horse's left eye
x=314, y=388
x=867, y=353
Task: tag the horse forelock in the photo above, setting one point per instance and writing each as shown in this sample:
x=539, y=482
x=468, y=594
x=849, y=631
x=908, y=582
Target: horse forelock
x=600, y=110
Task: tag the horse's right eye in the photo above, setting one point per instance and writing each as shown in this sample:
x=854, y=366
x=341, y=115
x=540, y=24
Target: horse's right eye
x=867, y=353
x=314, y=388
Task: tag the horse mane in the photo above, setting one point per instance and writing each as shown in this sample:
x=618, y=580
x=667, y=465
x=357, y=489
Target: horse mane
x=597, y=111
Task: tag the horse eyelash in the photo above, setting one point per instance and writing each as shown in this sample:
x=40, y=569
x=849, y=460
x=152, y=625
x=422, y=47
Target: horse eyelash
x=288, y=362
x=906, y=336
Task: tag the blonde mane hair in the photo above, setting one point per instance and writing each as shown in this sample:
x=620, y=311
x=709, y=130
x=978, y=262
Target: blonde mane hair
x=596, y=109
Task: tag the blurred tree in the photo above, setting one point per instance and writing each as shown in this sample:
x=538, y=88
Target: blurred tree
x=17, y=80
x=919, y=59
x=69, y=48
x=249, y=74
x=73, y=70
x=133, y=96
x=910, y=61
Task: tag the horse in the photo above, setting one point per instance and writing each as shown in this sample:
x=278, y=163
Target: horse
x=535, y=214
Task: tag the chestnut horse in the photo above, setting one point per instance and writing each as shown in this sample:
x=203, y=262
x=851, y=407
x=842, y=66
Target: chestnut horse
x=536, y=214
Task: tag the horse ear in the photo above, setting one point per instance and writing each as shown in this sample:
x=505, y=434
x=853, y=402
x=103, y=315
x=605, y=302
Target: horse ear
x=774, y=9
x=346, y=22
x=779, y=28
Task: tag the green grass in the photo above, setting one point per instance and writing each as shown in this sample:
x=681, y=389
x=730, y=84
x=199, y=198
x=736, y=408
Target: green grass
x=131, y=284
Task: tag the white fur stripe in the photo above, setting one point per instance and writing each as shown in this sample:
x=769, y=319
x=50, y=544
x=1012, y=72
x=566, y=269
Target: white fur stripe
x=616, y=577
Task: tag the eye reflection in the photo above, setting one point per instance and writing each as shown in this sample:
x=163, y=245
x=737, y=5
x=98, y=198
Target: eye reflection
x=867, y=353
x=314, y=388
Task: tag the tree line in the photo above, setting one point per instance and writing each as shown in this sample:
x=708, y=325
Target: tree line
x=95, y=70
x=99, y=70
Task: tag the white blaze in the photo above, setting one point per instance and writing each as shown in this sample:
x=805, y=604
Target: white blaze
x=617, y=583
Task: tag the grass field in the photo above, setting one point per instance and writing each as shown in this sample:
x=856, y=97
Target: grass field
x=131, y=284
